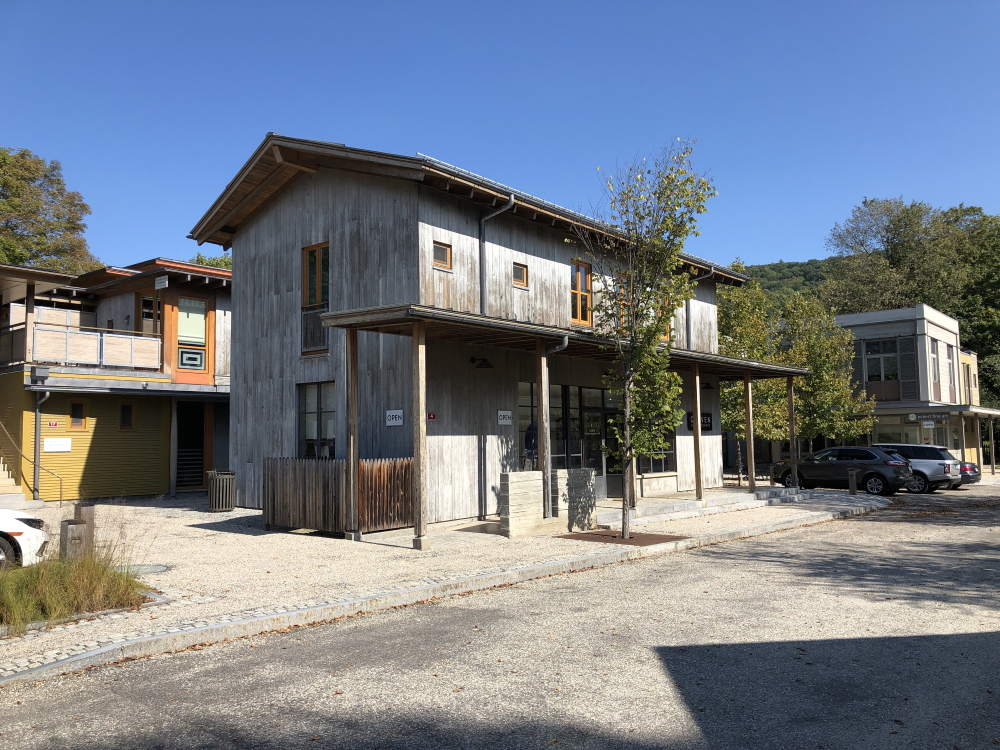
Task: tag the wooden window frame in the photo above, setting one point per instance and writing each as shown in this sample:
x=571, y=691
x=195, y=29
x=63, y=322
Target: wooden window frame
x=585, y=297
x=69, y=416
x=135, y=409
x=520, y=284
x=446, y=266
x=319, y=275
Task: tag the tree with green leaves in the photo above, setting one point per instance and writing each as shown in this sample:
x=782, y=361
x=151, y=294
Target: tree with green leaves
x=653, y=206
x=41, y=222
x=218, y=261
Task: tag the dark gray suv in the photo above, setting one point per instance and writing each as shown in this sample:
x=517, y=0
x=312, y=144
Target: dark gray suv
x=880, y=472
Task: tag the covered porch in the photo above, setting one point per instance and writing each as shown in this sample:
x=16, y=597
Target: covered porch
x=542, y=343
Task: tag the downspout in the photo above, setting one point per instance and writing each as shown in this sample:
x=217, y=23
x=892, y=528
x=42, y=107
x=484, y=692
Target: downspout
x=687, y=309
x=547, y=510
x=39, y=400
x=482, y=252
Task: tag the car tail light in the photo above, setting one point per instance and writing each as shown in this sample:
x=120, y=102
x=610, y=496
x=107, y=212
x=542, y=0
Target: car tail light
x=968, y=467
x=947, y=468
x=896, y=463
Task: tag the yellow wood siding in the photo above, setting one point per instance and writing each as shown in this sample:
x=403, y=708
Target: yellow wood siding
x=14, y=400
x=104, y=460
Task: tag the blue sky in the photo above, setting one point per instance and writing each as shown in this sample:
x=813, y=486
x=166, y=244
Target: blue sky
x=801, y=109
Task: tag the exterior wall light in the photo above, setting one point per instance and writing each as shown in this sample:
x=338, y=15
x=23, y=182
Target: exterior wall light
x=481, y=363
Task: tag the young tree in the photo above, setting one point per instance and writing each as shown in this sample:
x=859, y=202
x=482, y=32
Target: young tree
x=41, y=223
x=652, y=208
x=219, y=261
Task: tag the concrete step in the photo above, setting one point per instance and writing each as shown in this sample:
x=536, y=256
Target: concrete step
x=650, y=512
x=17, y=501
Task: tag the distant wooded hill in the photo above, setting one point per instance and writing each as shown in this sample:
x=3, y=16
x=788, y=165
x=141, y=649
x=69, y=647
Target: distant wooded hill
x=783, y=278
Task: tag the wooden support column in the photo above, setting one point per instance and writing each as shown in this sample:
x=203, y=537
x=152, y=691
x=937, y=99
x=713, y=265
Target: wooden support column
x=544, y=435
x=419, y=411
x=791, y=433
x=699, y=484
x=993, y=451
x=748, y=409
x=29, y=323
x=961, y=436
x=979, y=442
x=351, y=509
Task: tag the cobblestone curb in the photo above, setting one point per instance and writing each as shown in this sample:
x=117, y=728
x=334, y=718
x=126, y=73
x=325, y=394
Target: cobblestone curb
x=254, y=622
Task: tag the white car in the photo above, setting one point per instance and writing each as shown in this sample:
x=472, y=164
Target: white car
x=22, y=539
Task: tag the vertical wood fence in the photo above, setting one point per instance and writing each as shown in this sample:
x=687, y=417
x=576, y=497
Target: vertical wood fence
x=307, y=493
x=385, y=494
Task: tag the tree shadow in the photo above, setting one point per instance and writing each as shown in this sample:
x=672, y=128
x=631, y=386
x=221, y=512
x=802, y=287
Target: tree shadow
x=939, y=691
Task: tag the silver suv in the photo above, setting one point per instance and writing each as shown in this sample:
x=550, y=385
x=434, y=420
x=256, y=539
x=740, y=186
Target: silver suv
x=933, y=466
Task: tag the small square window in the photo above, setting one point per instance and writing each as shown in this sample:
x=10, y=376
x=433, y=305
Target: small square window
x=520, y=274
x=77, y=416
x=442, y=255
x=191, y=359
x=125, y=416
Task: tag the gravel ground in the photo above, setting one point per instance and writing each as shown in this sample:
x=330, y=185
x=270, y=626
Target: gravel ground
x=875, y=632
x=225, y=566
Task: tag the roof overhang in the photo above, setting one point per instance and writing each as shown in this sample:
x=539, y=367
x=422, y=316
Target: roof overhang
x=469, y=328
x=279, y=160
x=14, y=281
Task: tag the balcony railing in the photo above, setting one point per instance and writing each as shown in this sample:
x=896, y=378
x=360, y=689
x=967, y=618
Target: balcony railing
x=12, y=344
x=314, y=333
x=100, y=348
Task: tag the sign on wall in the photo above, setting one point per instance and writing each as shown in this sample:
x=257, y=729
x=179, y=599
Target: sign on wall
x=706, y=420
x=53, y=424
x=432, y=416
x=161, y=282
x=393, y=417
x=942, y=416
x=929, y=425
x=505, y=417
x=57, y=445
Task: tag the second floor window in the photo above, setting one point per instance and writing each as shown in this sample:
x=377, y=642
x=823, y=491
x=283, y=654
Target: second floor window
x=317, y=420
x=580, y=294
x=520, y=273
x=883, y=364
x=442, y=255
x=191, y=334
x=315, y=297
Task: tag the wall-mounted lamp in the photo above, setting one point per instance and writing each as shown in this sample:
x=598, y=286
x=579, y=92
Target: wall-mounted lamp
x=481, y=363
x=707, y=387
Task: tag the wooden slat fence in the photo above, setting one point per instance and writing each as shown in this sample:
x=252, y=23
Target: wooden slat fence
x=306, y=493
x=385, y=497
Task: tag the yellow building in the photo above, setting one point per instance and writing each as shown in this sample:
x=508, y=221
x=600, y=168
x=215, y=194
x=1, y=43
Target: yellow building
x=113, y=383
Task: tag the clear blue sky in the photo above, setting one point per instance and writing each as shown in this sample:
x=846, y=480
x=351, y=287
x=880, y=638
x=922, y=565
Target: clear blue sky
x=801, y=108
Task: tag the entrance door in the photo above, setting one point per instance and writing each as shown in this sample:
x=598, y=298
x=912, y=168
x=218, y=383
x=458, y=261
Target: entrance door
x=612, y=466
x=190, y=444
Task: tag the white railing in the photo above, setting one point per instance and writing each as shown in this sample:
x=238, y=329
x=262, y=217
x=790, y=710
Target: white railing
x=75, y=346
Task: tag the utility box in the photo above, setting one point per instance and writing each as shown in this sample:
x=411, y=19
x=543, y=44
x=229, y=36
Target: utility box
x=221, y=491
x=72, y=539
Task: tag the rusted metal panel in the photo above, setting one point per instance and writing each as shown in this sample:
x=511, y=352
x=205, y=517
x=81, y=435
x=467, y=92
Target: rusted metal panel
x=304, y=493
x=385, y=494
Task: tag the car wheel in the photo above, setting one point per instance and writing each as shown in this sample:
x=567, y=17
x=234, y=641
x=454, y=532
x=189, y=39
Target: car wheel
x=8, y=558
x=786, y=479
x=875, y=485
x=919, y=484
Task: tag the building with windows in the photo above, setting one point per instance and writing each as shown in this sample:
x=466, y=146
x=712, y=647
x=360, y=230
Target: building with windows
x=115, y=382
x=927, y=387
x=393, y=307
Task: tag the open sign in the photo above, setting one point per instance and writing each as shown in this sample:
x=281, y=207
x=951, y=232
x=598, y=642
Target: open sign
x=393, y=417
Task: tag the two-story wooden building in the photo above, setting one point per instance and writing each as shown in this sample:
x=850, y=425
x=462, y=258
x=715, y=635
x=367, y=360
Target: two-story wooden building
x=115, y=382
x=342, y=256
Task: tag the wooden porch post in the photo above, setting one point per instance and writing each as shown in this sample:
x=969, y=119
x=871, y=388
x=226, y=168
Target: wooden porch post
x=993, y=451
x=979, y=442
x=699, y=484
x=351, y=510
x=791, y=433
x=961, y=436
x=748, y=408
x=419, y=411
x=29, y=323
x=544, y=436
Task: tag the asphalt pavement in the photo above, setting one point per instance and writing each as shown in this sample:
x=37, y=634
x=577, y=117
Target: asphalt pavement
x=875, y=632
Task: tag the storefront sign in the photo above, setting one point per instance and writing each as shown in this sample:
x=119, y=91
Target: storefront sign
x=929, y=425
x=432, y=416
x=706, y=421
x=942, y=416
x=160, y=282
x=394, y=418
x=57, y=445
x=505, y=417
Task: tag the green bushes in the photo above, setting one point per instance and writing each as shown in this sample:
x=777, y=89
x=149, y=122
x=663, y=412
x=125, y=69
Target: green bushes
x=55, y=589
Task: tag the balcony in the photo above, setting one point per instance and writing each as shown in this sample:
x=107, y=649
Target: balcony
x=62, y=345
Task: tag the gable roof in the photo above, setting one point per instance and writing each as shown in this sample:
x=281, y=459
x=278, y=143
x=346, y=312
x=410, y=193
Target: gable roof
x=279, y=160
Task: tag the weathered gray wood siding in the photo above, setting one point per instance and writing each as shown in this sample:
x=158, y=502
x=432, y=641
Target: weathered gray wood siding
x=371, y=225
x=120, y=309
x=704, y=327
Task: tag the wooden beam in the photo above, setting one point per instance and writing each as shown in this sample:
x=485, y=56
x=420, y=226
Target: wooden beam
x=351, y=514
x=283, y=159
x=979, y=441
x=993, y=451
x=791, y=433
x=419, y=416
x=542, y=424
x=232, y=213
x=748, y=425
x=699, y=483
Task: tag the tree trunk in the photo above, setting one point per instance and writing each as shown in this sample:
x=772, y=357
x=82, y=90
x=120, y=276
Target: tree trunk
x=626, y=451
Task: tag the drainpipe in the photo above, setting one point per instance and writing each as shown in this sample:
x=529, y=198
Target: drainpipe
x=547, y=510
x=482, y=252
x=687, y=308
x=39, y=400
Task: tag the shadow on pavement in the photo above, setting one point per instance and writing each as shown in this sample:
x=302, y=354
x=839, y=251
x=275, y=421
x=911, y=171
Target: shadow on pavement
x=915, y=692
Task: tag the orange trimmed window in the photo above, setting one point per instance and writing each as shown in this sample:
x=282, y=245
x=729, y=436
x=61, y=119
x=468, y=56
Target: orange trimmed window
x=580, y=294
x=442, y=255
x=77, y=416
x=520, y=274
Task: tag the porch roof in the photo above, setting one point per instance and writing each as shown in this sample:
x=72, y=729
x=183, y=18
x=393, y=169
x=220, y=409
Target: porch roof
x=470, y=328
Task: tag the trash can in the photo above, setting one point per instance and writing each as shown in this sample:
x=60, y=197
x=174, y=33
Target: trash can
x=221, y=491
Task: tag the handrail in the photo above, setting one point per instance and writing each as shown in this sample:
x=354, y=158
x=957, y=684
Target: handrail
x=33, y=489
x=97, y=329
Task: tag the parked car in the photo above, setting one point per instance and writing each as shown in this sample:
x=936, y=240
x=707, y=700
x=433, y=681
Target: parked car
x=933, y=466
x=879, y=472
x=22, y=539
x=970, y=473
